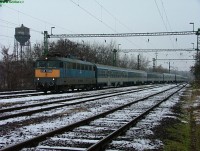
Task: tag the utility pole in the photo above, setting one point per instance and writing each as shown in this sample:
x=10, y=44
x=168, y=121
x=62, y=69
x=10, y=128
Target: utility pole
x=138, y=62
x=193, y=25
x=198, y=43
x=46, y=36
x=114, y=57
x=154, y=60
x=51, y=30
x=169, y=66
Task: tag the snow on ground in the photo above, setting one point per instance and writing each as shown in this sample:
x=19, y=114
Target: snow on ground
x=22, y=94
x=141, y=132
x=62, y=95
x=36, y=98
x=20, y=91
x=26, y=132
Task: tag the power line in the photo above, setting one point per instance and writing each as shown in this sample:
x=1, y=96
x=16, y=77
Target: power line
x=163, y=20
x=167, y=20
x=160, y=15
x=100, y=20
x=6, y=36
x=11, y=23
x=119, y=20
x=8, y=22
x=6, y=26
x=93, y=16
x=113, y=16
x=166, y=15
x=38, y=19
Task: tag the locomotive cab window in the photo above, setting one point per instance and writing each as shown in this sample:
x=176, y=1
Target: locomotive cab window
x=41, y=64
x=49, y=64
x=53, y=64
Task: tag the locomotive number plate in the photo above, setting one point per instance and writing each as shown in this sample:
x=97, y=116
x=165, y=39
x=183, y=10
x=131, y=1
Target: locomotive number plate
x=47, y=70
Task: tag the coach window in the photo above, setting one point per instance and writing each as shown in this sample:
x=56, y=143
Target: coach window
x=69, y=65
x=90, y=68
x=86, y=68
x=106, y=73
x=78, y=66
x=74, y=65
x=82, y=67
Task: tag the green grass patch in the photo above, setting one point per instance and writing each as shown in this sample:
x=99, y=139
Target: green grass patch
x=197, y=136
x=184, y=136
x=178, y=137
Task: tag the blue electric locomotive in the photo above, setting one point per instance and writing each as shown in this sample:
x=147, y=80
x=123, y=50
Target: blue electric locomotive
x=59, y=74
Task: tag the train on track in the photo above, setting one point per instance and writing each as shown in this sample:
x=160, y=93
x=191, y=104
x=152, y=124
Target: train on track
x=61, y=74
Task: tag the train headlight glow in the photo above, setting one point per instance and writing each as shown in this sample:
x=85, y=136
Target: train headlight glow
x=53, y=79
x=38, y=79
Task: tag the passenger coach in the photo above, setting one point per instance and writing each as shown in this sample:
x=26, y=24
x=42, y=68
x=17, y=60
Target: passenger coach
x=61, y=74
x=114, y=76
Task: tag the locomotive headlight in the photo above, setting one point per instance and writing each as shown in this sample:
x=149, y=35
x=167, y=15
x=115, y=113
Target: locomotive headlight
x=53, y=79
x=38, y=79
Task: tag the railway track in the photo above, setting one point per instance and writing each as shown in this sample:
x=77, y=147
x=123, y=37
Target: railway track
x=18, y=94
x=27, y=110
x=100, y=132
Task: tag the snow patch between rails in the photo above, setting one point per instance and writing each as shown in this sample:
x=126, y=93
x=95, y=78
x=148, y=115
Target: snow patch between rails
x=29, y=131
x=138, y=136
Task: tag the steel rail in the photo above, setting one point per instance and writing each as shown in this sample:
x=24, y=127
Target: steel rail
x=21, y=95
x=64, y=100
x=16, y=92
x=35, y=140
x=26, y=113
x=100, y=145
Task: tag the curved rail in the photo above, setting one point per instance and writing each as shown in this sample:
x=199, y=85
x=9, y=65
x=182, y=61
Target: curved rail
x=100, y=145
x=93, y=98
x=34, y=141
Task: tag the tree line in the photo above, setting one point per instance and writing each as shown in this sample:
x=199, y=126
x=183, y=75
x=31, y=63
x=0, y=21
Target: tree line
x=18, y=74
x=196, y=71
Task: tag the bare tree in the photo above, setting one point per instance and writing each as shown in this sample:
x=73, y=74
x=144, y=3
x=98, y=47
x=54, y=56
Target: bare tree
x=124, y=61
x=9, y=70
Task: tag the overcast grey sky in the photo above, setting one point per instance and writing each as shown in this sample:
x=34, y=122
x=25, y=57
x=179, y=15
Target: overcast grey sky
x=109, y=16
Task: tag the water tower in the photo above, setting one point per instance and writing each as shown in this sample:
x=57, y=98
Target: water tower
x=22, y=36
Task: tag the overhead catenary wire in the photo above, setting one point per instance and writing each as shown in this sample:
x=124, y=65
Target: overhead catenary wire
x=6, y=36
x=163, y=21
x=115, y=18
x=89, y=13
x=166, y=15
x=40, y=20
x=100, y=20
x=11, y=23
x=168, y=22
